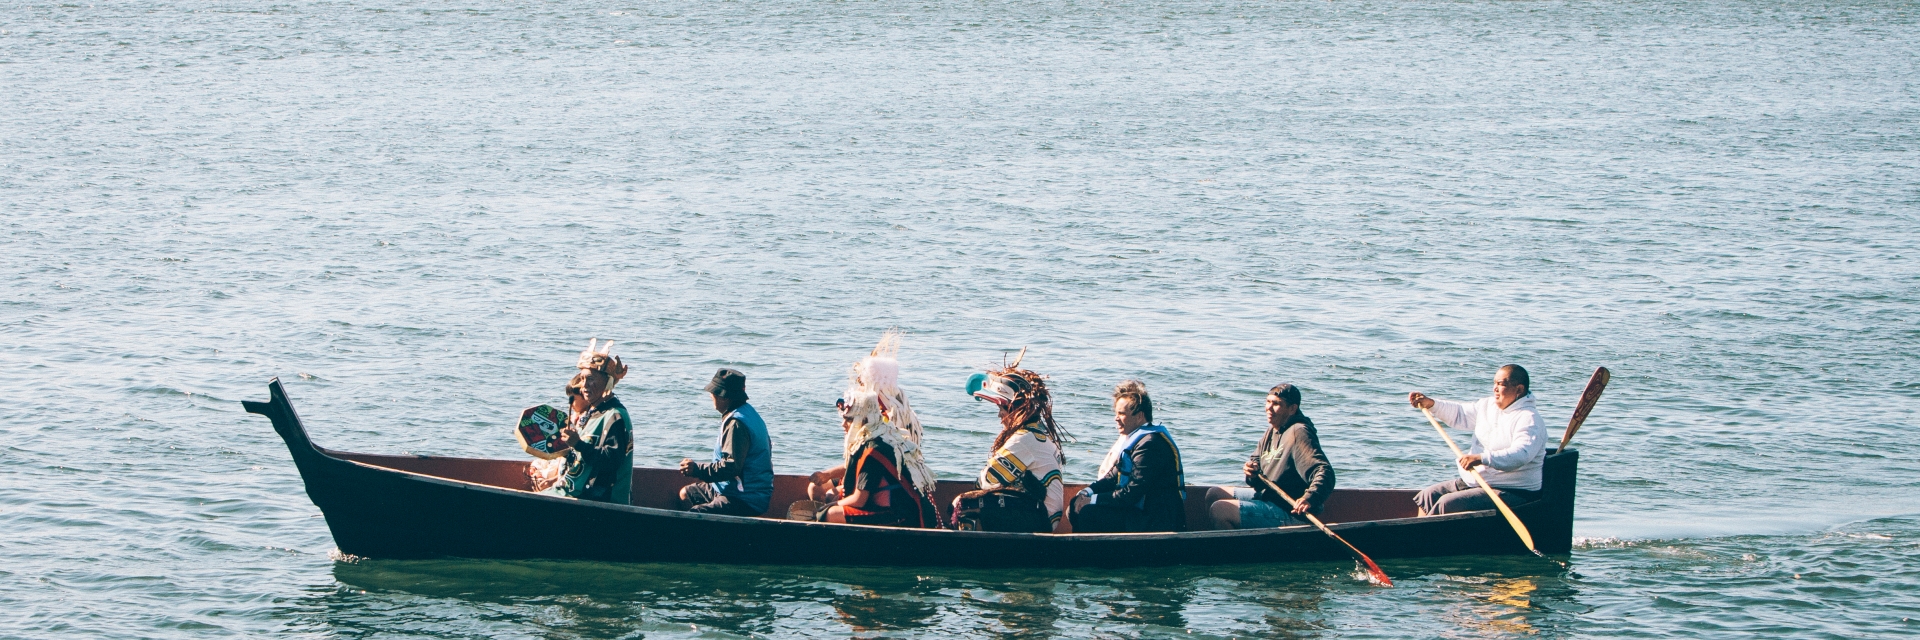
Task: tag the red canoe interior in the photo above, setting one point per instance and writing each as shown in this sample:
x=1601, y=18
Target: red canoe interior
x=659, y=488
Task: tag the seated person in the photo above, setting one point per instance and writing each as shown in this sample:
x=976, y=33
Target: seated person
x=739, y=480
x=599, y=434
x=876, y=488
x=879, y=373
x=1289, y=455
x=1141, y=485
x=1509, y=446
x=824, y=485
x=1020, y=488
x=545, y=473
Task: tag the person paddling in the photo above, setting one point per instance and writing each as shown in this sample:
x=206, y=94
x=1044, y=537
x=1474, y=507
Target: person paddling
x=599, y=435
x=739, y=480
x=1289, y=455
x=1509, y=446
x=1141, y=486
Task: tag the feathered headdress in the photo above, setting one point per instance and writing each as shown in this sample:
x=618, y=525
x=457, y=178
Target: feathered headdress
x=879, y=374
x=599, y=358
x=880, y=370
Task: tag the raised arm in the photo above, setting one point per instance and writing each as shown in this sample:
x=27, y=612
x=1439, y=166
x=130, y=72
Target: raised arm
x=1453, y=414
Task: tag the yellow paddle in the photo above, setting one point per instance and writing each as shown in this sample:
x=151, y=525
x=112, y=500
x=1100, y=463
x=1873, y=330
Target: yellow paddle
x=1497, y=502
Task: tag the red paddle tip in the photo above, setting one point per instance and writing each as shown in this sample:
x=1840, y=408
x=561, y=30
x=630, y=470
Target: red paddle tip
x=1378, y=575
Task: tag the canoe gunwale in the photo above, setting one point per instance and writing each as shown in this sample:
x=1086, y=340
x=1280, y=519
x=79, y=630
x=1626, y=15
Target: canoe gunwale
x=378, y=511
x=763, y=521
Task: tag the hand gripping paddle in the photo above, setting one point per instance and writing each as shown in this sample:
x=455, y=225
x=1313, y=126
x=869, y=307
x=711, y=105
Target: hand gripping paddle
x=1518, y=527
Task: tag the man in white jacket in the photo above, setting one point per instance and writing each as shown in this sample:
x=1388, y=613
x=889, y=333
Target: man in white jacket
x=1509, y=446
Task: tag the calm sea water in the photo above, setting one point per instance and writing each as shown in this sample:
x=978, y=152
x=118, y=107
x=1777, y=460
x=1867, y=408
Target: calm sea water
x=416, y=213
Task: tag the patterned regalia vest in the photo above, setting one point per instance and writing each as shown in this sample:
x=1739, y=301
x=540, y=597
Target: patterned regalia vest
x=594, y=430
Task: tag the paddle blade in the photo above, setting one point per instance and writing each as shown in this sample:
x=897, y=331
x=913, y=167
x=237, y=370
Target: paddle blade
x=1588, y=398
x=1374, y=572
x=1563, y=565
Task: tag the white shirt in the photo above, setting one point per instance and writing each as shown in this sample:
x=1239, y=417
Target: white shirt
x=1028, y=452
x=1512, y=441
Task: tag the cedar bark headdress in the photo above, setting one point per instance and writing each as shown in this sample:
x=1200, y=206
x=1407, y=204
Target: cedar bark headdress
x=599, y=358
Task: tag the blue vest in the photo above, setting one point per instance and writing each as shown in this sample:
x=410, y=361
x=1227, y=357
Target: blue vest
x=755, y=485
x=1125, y=466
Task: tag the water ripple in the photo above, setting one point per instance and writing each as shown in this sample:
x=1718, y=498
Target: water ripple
x=416, y=213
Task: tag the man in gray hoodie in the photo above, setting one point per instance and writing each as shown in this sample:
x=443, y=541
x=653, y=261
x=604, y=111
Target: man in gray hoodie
x=1289, y=455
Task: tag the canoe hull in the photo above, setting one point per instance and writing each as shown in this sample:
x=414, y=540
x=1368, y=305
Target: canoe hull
x=420, y=507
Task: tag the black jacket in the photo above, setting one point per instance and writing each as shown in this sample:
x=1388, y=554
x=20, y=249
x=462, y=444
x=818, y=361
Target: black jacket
x=1291, y=457
x=1152, y=494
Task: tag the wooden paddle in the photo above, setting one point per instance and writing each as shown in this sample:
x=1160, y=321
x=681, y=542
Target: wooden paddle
x=1514, y=520
x=1372, y=569
x=1595, y=385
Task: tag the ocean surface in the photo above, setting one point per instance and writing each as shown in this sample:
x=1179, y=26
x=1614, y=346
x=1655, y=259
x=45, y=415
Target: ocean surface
x=416, y=213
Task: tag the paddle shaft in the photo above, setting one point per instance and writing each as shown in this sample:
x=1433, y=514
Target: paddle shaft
x=1362, y=557
x=1588, y=398
x=1512, y=519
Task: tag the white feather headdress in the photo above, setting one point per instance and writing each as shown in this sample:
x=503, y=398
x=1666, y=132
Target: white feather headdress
x=879, y=374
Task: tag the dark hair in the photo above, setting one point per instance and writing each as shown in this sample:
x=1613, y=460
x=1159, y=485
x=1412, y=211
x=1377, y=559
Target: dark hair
x=577, y=386
x=1518, y=375
x=1031, y=403
x=1287, y=392
x=1134, y=392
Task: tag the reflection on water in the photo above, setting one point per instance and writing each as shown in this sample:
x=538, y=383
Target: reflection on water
x=1293, y=615
x=1510, y=602
x=885, y=601
x=1485, y=596
x=1024, y=609
x=1152, y=600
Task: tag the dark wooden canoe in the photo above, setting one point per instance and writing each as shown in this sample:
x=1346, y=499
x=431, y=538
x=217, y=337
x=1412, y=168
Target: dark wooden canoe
x=386, y=506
